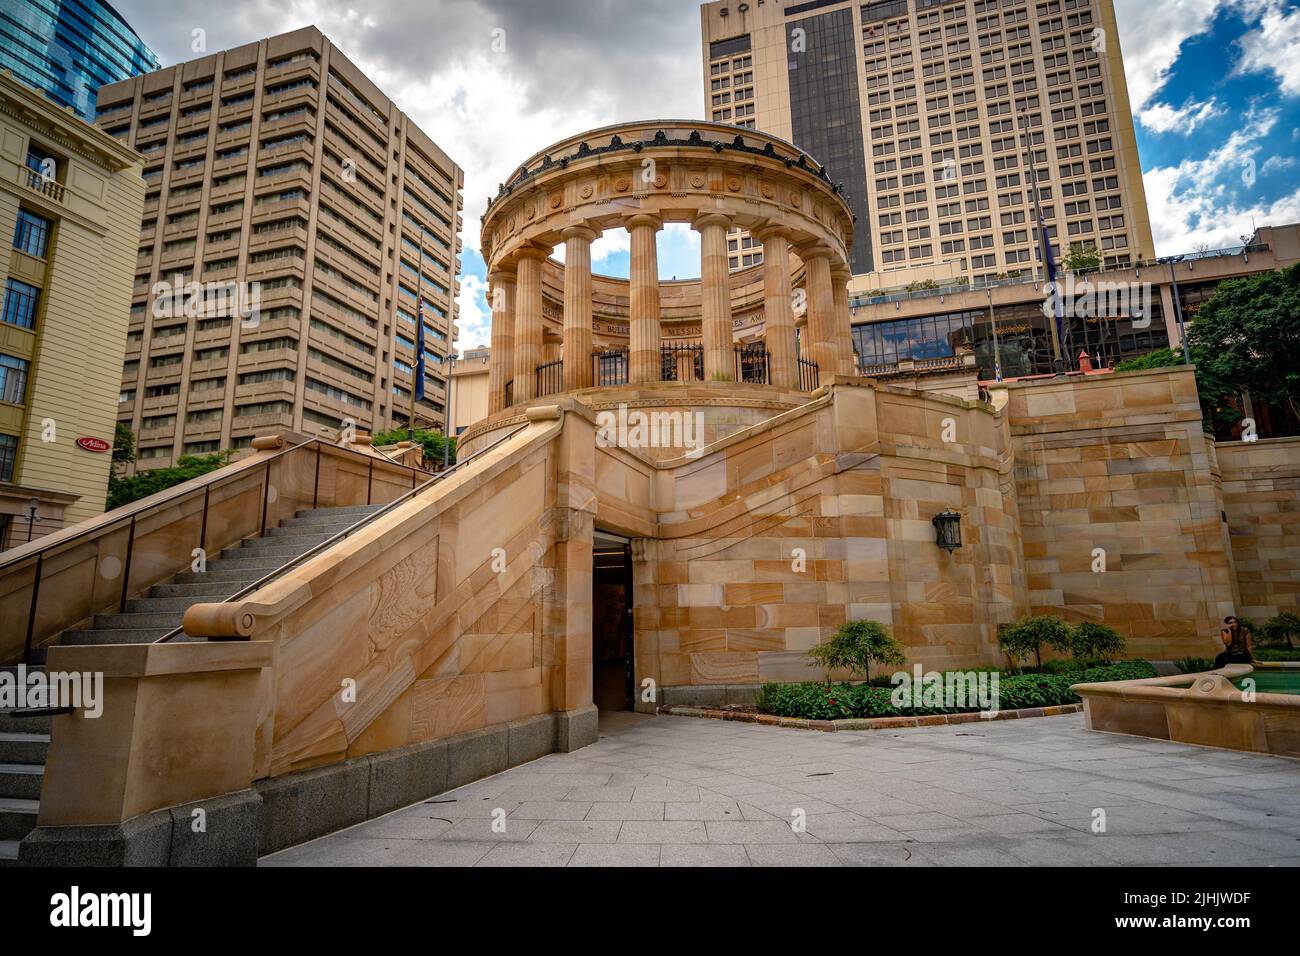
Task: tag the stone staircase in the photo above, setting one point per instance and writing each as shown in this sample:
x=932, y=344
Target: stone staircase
x=25, y=740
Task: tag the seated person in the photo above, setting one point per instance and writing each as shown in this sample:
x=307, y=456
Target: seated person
x=1236, y=643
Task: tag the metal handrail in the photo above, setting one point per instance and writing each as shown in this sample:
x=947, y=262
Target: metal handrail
x=339, y=536
x=131, y=516
x=138, y=511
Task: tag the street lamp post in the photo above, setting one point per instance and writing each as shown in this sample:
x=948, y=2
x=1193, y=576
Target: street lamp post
x=32, y=507
x=1178, y=305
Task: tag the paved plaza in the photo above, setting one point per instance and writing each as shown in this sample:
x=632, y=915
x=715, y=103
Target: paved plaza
x=682, y=791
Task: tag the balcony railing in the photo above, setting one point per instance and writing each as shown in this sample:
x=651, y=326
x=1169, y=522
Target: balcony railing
x=550, y=378
x=36, y=182
x=609, y=367
x=808, y=375
x=752, y=364
x=681, y=362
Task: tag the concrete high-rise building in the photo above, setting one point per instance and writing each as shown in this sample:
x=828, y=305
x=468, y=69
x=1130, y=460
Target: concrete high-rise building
x=294, y=217
x=70, y=200
x=947, y=122
x=68, y=49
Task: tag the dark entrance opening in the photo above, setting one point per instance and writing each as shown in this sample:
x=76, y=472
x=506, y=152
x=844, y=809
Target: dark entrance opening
x=611, y=622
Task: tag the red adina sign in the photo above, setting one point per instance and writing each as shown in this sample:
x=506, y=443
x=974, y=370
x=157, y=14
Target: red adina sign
x=93, y=444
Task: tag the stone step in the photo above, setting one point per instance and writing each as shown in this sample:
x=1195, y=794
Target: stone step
x=26, y=748
x=157, y=605
x=17, y=817
x=245, y=571
x=164, y=619
x=131, y=635
x=322, y=529
x=263, y=549
x=311, y=523
x=9, y=724
x=345, y=510
x=8, y=853
x=21, y=781
x=196, y=591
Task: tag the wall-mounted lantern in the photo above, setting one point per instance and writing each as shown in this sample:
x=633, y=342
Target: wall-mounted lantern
x=947, y=530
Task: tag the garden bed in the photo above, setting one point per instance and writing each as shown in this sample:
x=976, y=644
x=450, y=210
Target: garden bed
x=751, y=715
x=812, y=701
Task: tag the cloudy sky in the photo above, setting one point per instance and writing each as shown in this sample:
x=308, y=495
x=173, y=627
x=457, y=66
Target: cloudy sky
x=1215, y=85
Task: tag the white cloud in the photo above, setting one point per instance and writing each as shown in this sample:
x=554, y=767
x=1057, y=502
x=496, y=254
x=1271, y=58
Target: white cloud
x=1274, y=47
x=1152, y=36
x=1277, y=163
x=1198, y=202
x=473, y=315
x=1163, y=118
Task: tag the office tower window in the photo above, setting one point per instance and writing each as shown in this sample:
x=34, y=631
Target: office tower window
x=13, y=379
x=32, y=234
x=20, y=304
x=8, y=457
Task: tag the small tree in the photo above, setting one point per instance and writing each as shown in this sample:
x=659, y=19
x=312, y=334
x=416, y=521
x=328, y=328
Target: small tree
x=1096, y=642
x=1081, y=258
x=1281, y=631
x=123, y=447
x=855, y=647
x=431, y=441
x=1028, y=635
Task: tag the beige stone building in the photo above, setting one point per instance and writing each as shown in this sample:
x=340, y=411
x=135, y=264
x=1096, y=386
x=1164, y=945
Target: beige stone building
x=293, y=218
x=642, y=519
x=943, y=118
x=70, y=200
x=468, y=398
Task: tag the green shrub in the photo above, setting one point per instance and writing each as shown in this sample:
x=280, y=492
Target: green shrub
x=814, y=701
x=1095, y=642
x=1027, y=636
x=123, y=491
x=855, y=647
x=1277, y=654
x=1280, y=631
x=1194, y=665
x=434, y=443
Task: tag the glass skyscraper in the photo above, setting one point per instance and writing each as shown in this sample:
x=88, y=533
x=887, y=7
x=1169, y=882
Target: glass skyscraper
x=68, y=49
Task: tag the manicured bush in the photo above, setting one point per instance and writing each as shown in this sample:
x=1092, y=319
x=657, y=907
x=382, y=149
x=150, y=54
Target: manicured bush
x=1026, y=637
x=1280, y=631
x=815, y=701
x=1095, y=642
x=855, y=647
x=1277, y=654
x=1194, y=665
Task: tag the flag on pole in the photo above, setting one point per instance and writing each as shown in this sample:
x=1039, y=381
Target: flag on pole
x=1057, y=306
x=419, y=349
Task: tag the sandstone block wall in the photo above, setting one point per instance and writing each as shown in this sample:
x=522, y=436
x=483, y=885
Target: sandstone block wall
x=1261, y=495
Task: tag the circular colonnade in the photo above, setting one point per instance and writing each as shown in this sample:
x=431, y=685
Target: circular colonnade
x=604, y=331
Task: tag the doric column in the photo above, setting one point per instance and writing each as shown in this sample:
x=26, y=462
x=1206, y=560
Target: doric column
x=501, y=360
x=577, y=306
x=715, y=297
x=643, y=293
x=840, y=275
x=778, y=312
x=528, y=322
x=821, y=346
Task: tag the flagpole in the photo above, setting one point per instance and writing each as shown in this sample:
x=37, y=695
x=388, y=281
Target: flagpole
x=419, y=321
x=1044, y=243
